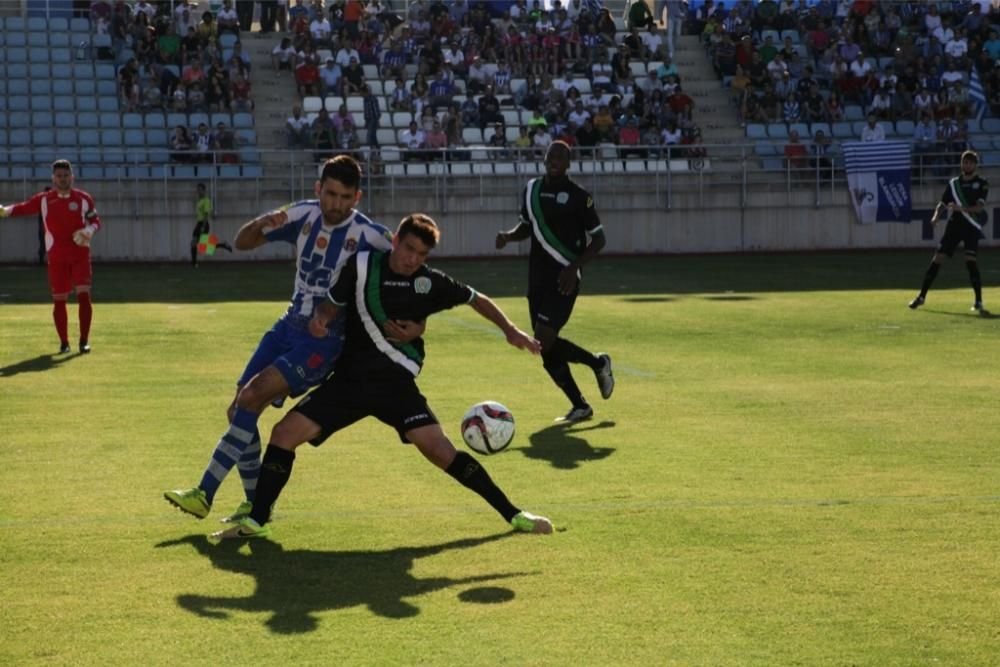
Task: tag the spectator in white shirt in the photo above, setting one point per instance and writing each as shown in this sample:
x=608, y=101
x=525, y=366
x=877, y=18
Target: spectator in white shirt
x=860, y=67
x=412, y=140
x=283, y=55
x=346, y=52
x=579, y=114
x=654, y=44
x=227, y=19
x=321, y=32
x=297, y=128
x=872, y=131
x=957, y=46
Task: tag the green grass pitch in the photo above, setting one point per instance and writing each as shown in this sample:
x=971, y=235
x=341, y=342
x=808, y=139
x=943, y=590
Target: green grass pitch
x=795, y=469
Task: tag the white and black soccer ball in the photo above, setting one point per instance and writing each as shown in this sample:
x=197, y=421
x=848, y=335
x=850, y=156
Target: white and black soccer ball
x=488, y=427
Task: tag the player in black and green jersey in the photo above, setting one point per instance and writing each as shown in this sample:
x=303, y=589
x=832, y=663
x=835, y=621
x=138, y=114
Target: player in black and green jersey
x=964, y=199
x=559, y=217
x=376, y=377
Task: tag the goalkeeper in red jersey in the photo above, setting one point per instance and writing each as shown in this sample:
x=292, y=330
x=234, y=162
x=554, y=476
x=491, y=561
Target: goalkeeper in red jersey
x=70, y=220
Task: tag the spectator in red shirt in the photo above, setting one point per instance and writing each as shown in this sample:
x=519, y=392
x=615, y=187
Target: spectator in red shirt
x=796, y=152
x=307, y=77
x=70, y=220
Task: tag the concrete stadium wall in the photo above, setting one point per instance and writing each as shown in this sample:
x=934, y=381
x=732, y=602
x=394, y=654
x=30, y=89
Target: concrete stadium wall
x=158, y=228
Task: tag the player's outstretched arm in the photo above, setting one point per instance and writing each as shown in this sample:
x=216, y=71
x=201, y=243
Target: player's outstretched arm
x=251, y=234
x=519, y=233
x=483, y=305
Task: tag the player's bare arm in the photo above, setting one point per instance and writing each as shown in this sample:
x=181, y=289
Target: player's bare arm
x=324, y=314
x=483, y=305
x=251, y=234
x=568, y=277
x=519, y=233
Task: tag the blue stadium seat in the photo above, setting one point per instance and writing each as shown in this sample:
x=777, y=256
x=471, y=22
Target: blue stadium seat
x=18, y=119
x=154, y=120
x=246, y=137
x=756, y=131
x=43, y=137
x=40, y=38
x=3, y=119
x=17, y=39
x=196, y=119
x=156, y=137
x=109, y=120
x=58, y=24
x=17, y=70
x=20, y=138
x=62, y=87
x=3, y=136
x=59, y=40
x=39, y=70
x=773, y=164
x=64, y=103
x=243, y=120
x=42, y=119
x=37, y=24
x=229, y=171
x=111, y=138
x=86, y=119
x=854, y=112
x=227, y=40
x=18, y=103
x=79, y=24
x=794, y=34
x=66, y=136
x=104, y=71
x=83, y=71
x=135, y=138
x=252, y=171
x=86, y=104
x=174, y=119
x=38, y=54
x=801, y=128
x=15, y=53
x=773, y=34
x=61, y=54
x=820, y=127
x=777, y=130
x=249, y=155
x=3, y=102
x=904, y=128
x=124, y=56
x=89, y=137
x=856, y=128
x=17, y=87
x=204, y=171
x=107, y=88
x=763, y=148
x=973, y=125
x=131, y=120
x=159, y=156
x=14, y=23
x=221, y=117
x=85, y=88
x=107, y=103
x=41, y=87
x=991, y=159
x=63, y=71
x=842, y=130
x=183, y=171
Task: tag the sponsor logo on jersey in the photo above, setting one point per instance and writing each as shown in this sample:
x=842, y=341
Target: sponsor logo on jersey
x=315, y=361
x=321, y=242
x=351, y=244
x=301, y=371
x=413, y=418
x=562, y=197
x=395, y=283
x=422, y=285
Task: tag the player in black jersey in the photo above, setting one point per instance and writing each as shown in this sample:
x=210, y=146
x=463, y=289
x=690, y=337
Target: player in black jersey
x=965, y=201
x=376, y=377
x=559, y=217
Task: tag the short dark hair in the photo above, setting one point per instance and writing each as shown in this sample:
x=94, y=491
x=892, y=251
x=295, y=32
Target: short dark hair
x=61, y=164
x=342, y=168
x=420, y=225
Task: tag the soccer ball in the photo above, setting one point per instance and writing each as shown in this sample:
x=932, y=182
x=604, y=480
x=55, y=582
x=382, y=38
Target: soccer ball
x=488, y=427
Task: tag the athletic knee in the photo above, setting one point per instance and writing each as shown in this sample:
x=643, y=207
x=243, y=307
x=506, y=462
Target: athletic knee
x=292, y=431
x=433, y=444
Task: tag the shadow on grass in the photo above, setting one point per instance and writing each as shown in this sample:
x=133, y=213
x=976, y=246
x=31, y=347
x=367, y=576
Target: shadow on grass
x=983, y=315
x=562, y=447
x=646, y=279
x=295, y=585
x=42, y=362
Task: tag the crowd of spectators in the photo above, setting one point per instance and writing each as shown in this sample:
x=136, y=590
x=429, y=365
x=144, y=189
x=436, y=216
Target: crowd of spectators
x=452, y=66
x=932, y=64
x=178, y=59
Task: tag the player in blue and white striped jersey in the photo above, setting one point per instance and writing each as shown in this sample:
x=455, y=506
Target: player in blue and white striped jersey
x=326, y=232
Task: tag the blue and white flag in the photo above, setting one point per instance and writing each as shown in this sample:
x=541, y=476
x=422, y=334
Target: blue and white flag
x=878, y=177
x=977, y=94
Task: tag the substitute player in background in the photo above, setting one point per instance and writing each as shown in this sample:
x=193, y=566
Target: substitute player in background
x=70, y=219
x=204, y=213
x=559, y=216
x=964, y=199
x=376, y=378
x=326, y=232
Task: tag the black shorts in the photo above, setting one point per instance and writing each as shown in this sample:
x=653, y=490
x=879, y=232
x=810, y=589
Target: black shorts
x=338, y=403
x=959, y=231
x=199, y=229
x=546, y=304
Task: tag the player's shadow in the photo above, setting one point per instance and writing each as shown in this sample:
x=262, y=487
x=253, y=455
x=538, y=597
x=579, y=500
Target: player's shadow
x=295, y=585
x=562, y=446
x=42, y=362
x=985, y=315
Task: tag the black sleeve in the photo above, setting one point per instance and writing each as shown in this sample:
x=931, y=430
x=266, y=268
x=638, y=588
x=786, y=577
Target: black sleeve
x=947, y=197
x=342, y=291
x=448, y=292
